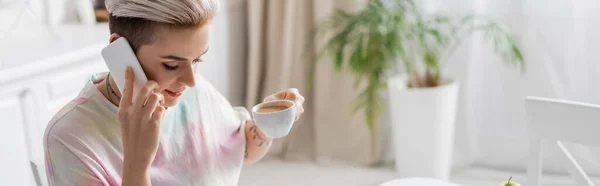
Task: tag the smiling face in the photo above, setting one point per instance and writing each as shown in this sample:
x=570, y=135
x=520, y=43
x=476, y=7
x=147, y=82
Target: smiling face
x=171, y=58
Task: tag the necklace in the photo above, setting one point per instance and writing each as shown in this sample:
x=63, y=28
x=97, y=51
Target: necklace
x=109, y=89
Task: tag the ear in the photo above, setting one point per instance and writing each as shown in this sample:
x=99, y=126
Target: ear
x=113, y=37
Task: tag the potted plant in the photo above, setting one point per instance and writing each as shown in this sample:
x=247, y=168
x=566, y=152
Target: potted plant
x=393, y=46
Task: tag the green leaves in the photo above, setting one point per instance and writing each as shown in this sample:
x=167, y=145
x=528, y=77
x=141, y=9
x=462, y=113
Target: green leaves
x=504, y=42
x=383, y=34
x=370, y=101
x=431, y=60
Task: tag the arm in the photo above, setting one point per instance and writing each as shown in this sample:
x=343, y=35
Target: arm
x=66, y=168
x=257, y=144
x=134, y=175
x=69, y=169
x=140, y=129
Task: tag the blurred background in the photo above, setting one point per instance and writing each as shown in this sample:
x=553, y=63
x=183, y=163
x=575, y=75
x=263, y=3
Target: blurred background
x=467, y=128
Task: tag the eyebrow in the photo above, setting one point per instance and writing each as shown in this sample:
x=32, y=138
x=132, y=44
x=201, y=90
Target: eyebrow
x=177, y=58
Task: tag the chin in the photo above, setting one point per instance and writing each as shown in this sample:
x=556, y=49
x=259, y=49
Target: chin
x=171, y=103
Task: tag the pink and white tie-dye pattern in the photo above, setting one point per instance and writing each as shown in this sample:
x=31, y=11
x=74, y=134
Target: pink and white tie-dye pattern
x=201, y=143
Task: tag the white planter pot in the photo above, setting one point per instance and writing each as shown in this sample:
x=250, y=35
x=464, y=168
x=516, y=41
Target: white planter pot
x=422, y=122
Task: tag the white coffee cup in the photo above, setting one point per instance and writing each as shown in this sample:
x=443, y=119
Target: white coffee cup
x=275, y=118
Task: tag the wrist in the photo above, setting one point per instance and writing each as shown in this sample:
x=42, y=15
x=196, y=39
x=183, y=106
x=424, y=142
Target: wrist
x=135, y=172
x=257, y=131
x=263, y=136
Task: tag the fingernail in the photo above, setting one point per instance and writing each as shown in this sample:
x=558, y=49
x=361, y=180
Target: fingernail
x=161, y=99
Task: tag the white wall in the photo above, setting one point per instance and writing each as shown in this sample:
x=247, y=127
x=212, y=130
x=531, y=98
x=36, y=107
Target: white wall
x=559, y=42
x=19, y=15
x=224, y=64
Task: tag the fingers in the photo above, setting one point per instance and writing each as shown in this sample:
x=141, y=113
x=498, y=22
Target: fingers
x=127, y=93
x=299, y=112
x=269, y=98
x=293, y=90
x=159, y=112
x=300, y=99
x=144, y=92
x=293, y=94
x=290, y=94
x=154, y=100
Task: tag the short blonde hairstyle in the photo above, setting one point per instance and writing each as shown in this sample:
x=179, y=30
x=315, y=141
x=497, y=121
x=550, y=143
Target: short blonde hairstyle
x=137, y=20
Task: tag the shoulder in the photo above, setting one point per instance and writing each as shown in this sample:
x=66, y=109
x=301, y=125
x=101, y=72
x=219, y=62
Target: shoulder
x=70, y=144
x=211, y=102
x=204, y=96
x=208, y=97
x=77, y=122
x=66, y=117
x=72, y=137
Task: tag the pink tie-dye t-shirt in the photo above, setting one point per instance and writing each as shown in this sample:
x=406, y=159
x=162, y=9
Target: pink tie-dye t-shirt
x=202, y=141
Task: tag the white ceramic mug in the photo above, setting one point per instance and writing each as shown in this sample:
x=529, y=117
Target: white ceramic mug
x=275, y=124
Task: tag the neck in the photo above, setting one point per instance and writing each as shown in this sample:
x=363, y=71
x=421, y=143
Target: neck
x=105, y=91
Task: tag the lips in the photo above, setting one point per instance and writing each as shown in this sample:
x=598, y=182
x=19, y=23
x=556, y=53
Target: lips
x=174, y=93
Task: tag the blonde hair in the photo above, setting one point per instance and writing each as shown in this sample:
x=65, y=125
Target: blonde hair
x=137, y=19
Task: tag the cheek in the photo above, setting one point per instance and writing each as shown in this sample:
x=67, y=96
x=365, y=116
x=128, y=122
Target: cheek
x=164, y=81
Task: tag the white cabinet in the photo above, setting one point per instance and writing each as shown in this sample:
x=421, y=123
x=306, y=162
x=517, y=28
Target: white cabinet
x=37, y=79
x=15, y=167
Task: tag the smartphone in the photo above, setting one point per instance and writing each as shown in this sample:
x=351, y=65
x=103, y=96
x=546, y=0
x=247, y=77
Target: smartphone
x=117, y=56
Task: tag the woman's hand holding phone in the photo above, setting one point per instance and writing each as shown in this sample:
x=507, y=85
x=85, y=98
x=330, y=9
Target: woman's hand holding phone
x=140, y=128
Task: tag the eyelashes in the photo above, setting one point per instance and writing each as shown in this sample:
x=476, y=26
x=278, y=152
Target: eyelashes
x=170, y=68
x=173, y=68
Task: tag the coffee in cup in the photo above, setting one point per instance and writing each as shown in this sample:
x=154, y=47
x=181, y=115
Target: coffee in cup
x=275, y=118
x=272, y=108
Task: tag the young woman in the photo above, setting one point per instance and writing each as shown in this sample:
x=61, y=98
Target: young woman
x=186, y=133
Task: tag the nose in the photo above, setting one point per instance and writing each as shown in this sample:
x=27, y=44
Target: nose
x=187, y=77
